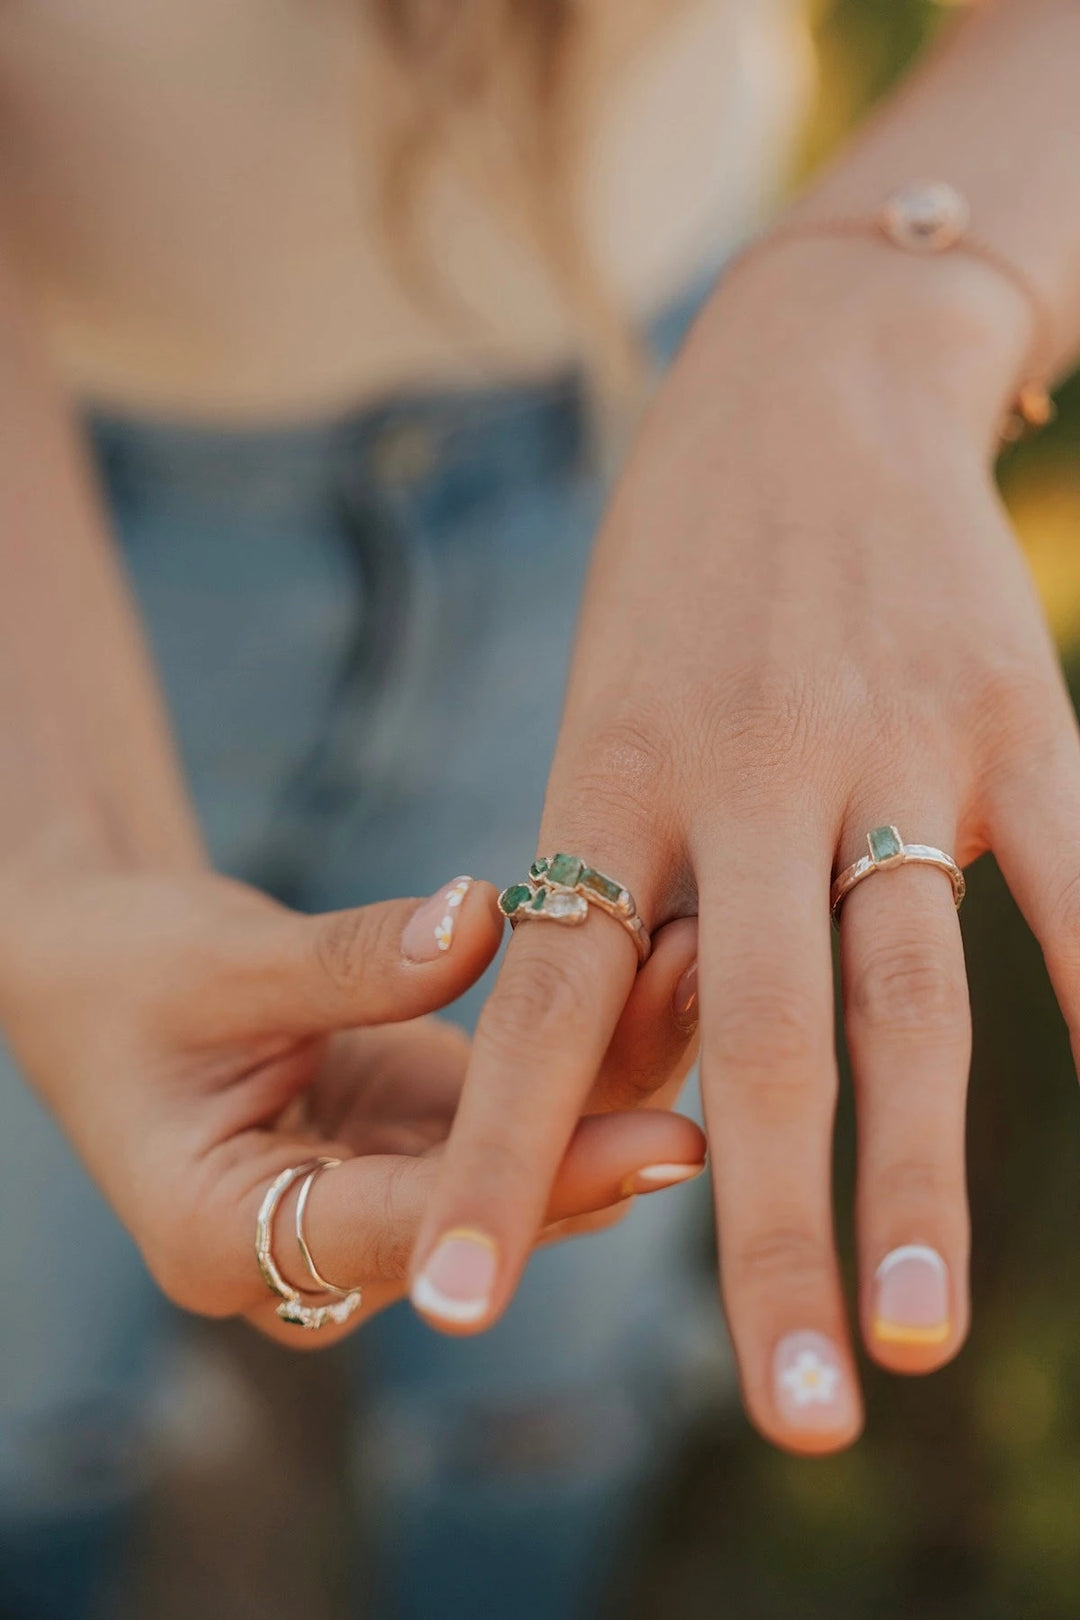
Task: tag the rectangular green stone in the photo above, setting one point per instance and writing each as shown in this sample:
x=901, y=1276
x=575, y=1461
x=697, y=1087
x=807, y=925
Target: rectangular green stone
x=884, y=843
x=566, y=869
x=597, y=883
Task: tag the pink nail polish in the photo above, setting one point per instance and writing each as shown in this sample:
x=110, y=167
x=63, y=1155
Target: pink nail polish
x=911, y=1297
x=429, y=933
x=457, y=1281
x=684, y=1003
x=810, y=1383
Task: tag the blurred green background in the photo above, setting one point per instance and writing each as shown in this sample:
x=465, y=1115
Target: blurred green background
x=963, y=1498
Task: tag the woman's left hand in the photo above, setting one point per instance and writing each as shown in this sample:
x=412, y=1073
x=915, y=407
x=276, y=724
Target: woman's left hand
x=808, y=618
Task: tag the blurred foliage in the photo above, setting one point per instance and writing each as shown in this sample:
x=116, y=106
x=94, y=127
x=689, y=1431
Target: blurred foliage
x=963, y=1498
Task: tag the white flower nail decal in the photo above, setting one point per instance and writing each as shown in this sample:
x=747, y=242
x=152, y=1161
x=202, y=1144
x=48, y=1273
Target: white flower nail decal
x=455, y=894
x=810, y=1380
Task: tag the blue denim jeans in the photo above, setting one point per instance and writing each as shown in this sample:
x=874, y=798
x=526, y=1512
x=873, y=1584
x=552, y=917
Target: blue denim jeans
x=362, y=629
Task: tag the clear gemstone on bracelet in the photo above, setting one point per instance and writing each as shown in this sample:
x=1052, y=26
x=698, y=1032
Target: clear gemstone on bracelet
x=926, y=218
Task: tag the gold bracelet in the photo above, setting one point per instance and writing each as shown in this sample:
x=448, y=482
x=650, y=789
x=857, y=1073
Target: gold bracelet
x=933, y=217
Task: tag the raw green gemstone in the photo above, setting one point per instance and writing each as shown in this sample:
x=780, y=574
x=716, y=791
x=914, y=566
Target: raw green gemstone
x=540, y=897
x=885, y=843
x=597, y=883
x=513, y=897
x=538, y=868
x=566, y=869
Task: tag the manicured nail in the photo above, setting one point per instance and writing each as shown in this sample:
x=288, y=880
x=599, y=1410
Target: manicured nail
x=911, y=1297
x=684, y=1003
x=429, y=932
x=656, y=1176
x=456, y=1283
x=810, y=1383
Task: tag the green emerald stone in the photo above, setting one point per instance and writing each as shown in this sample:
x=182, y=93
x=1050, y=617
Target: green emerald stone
x=538, y=901
x=884, y=843
x=597, y=883
x=513, y=897
x=566, y=869
x=538, y=868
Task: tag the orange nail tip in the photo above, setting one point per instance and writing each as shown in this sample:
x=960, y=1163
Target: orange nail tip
x=898, y=1333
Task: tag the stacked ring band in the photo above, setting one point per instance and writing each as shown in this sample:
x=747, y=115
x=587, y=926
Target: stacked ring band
x=561, y=888
x=293, y=1308
x=886, y=850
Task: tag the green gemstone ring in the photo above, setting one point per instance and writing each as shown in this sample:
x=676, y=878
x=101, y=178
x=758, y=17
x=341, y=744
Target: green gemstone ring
x=886, y=850
x=561, y=888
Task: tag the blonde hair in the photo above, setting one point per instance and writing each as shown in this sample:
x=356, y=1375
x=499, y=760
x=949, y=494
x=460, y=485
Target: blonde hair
x=508, y=67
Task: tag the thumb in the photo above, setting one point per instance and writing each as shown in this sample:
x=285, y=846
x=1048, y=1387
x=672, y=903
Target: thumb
x=383, y=963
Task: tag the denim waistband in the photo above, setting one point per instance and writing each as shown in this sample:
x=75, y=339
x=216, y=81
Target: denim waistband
x=431, y=444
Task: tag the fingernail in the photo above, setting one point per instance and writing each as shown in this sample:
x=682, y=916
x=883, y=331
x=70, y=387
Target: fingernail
x=684, y=1002
x=457, y=1281
x=653, y=1177
x=911, y=1297
x=810, y=1383
x=429, y=932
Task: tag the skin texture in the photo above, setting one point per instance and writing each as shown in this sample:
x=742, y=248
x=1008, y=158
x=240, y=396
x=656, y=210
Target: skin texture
x=243, y=1038
x=807, y=617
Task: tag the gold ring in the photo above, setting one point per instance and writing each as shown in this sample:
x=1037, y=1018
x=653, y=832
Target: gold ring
x=886, y=850
x=302, y=1242
x=293, y=1308
x=561, y=888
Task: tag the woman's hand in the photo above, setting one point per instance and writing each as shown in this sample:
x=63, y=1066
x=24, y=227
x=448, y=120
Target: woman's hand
x=194, y=1038
x=808, y=617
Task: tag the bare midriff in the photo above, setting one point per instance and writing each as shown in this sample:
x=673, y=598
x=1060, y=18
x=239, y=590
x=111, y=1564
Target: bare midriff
x=191, y=191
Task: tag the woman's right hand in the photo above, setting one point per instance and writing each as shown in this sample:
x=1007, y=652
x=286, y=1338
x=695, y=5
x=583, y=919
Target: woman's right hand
x=194, y=1038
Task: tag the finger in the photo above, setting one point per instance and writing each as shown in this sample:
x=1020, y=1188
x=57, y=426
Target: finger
x=1034, y=831
x=655, y=1042
x=909, y=1034
x=381, y=963
x=380, y=1295
x=362, y=1218
x=769, y=1086
x=537, y=1050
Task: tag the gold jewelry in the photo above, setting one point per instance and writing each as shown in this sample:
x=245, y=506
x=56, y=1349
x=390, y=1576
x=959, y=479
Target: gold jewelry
x=561, y=888
x=292, y=1308
x=302, y=1242
x=886, y=850
x=931, y=217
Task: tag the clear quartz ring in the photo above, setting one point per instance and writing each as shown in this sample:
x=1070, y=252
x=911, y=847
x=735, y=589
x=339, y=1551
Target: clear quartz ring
x=294, y=1308
x=886, y=850
x=562, y=888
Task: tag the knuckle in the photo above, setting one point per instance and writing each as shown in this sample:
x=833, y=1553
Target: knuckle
x=776, y=1254
x=907, y=989
x=350, y=944
x=1066, y=917
x=763, y=1032
x=767, y=716
x=542, y=992
x=915, y=1183
x=391, y=1241
x=619, y=777
x=1015, y=715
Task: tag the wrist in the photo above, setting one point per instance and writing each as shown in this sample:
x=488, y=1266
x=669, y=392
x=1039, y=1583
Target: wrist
x=947, y=332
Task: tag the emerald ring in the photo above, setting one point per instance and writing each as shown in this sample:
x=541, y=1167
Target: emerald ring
x=886, y=850
x=562, y=888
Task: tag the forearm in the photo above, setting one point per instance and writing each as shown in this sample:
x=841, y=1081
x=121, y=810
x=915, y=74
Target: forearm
x=87, y=769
